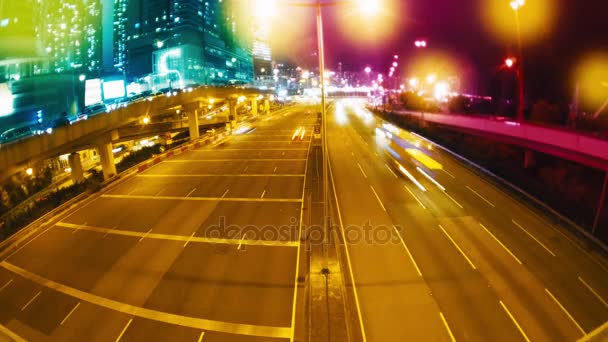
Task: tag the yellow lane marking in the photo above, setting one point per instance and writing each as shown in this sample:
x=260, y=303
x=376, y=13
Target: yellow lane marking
x=123, y=330
x=190, y=193
x=514, y=321
x=458, y=247
x=453, y=200
x=230, y=160
x=363, y=172
x=533, y=237
x=159, y=316
x=180, y=238
x=4, y=330
x=350, y=266
x=408, y=251
x=213, y=199
x=565, y=311
x=480, y=196
x=299, y=242
x=500, y=243
x=70, y=313
x=200, y=337
x=378, y=198
x=222, y=175
x=597, y=295
x=413, y=195
x=31, y=300
x=447, y=327
x=393, y=172
x=5, y=285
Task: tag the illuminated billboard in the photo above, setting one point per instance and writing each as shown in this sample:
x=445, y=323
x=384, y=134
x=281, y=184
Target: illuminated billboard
x=6, y=100
x=92, y=92
x=114, y=89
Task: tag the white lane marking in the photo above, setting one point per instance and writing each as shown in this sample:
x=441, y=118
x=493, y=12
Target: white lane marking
x=500, y=243
x=212, y=199
x=350, y=266
x=70, y=313
x=109, y=231
x=124, y=330
x=453, y=200
x=413, y=195
x=514, y=321
x=275, y=169
x=159, y=192
x=412, y=178
x=132, y=191
x=201, y=175
x=597, y=295
x=78, y=227
x=378, y=198
x=408, y=251
x=391, y=171
x=263, y=193
x=363, y=172
x=241, y=241
x=200, y=337
x=31, y=300
x=430, y=178
x=480, y=196
x=458, y=247
x=565, y=311
x=144, y=236
x=245, y=169
x=533, y=237
x=225, y=193
x=188, y=241
x=447, y=327
x=449, y=174
x=5, y=285
x=190, y=193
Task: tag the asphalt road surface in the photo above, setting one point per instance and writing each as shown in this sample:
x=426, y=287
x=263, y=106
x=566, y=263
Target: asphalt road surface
x=459, y=261
x=201, y=247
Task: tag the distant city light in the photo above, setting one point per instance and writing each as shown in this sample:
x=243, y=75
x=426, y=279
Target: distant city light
x=29, y=171
x=509, y=62
x=368, y=70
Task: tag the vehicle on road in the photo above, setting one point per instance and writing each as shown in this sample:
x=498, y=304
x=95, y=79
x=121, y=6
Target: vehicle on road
x=16, y=134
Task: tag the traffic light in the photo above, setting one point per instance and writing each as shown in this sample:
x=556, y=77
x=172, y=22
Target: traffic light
x=39, y=116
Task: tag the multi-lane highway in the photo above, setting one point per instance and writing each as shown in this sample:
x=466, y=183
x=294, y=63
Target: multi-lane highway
x=201, y=247
x=437, y=253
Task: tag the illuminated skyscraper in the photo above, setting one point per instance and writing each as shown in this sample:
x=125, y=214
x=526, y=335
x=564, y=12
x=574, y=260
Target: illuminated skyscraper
x=262, y=54
x=191, y=40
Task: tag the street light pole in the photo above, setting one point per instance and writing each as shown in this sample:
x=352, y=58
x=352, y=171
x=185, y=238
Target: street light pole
x=516, y=5
x=321, y=52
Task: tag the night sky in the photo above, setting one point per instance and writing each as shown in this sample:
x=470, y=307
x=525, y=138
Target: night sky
x=456, y=27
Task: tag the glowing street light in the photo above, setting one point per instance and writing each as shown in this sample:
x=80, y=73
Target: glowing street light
x=420, y=43
x=29, y=171
x=510, y=62
x=413, y=82
x=516, y=5
x=368, y=70
x=146, y=120
x=430, y=79
x=395, y=64
x=160, y=44
x=369, y=7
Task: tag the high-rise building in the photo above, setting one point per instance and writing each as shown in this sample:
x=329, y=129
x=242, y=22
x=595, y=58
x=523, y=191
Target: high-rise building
x=189, y=41
x=262, y=54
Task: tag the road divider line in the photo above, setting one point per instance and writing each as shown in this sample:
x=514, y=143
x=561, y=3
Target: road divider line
x=453, y=200
x=480, y=196
x=408, y=251
x=213, y=199
x=276, y=175
x=447, y=327
x=70, y=313
x=31, y=300
x=200, y=337
x=597, y=295
x=77, y=228
x=190, y=193
x=348, y=261
x=412, y=178
x=415, y=197
x=500, y=243
x=6, y=285
x=183, y=161
x=189, y=239
x=566, y=311
x=124, y=330
x=391, y=171
x=533, y=237
x=245, y=169
x=275, y=169
x=378, y=198
x=253, y=149
x=514, y=321
x=458, y=247
x=263, y=193
x=109, y=231
x=181, y=238
x=144, y=236
x=225, y=193
x=150, y=314
x=363, y=172
x=449, y=174
x=11, y=335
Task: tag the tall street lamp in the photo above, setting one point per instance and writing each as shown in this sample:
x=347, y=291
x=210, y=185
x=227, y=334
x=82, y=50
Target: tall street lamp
x=516, y=5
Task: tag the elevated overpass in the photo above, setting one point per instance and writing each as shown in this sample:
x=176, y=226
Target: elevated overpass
x=101, y=130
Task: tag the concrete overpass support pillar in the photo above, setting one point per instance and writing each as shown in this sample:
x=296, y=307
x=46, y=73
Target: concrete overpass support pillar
x=529, y=159
x=266, y=106
x=254, y=107
x=106, y=157
x=193, y=124
x=114, y=135
x=76, y=167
